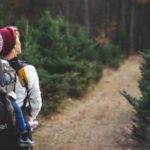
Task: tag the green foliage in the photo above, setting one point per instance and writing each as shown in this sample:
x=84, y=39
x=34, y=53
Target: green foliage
x=50, y=105
x=132, y=100
x=64, y=55
x=111, y=54
x=28, y=41
x=119, y=37
x=66, y=59
x=141, y=127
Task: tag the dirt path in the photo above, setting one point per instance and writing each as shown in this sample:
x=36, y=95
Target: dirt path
x=100, y=121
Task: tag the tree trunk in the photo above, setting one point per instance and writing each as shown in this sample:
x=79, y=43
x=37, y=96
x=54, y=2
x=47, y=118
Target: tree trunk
x=86, y=16
x=67, y=9
x=132, y=25
x=123, y=14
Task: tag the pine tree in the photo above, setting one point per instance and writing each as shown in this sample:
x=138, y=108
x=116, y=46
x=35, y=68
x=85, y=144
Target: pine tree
x=141, y=119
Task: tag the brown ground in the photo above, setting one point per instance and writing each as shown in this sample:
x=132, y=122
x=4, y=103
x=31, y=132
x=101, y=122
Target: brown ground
x=101, y=120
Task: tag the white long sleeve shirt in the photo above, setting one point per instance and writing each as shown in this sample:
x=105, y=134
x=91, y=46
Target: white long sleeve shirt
x=33, y=87
x=34, y=91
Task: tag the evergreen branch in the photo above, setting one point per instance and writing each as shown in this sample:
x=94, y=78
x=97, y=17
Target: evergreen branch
x=133, y=101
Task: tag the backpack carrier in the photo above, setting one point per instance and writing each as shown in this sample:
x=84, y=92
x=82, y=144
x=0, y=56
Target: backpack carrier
x=9, y=136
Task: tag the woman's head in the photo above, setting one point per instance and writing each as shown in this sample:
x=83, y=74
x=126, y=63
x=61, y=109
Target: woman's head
x=10, y=45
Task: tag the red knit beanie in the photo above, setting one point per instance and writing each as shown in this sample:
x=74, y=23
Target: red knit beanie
x=7, y=40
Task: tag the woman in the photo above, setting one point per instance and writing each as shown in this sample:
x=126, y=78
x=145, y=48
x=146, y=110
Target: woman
x=10, y=47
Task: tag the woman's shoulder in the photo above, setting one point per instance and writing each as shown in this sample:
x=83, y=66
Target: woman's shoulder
x=30, y=70
x=29, y=67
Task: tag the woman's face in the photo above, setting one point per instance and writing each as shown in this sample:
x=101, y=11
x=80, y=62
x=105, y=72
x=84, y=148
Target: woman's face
x=17, y=46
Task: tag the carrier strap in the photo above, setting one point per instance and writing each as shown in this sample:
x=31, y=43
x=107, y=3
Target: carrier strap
x=19, y=67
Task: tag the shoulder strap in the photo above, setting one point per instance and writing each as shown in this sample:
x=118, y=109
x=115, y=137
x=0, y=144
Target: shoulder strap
x=19, y=67
x=23, y=80
x=22, y=77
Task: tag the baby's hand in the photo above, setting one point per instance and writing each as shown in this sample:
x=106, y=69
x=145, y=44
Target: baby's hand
x=33, y=124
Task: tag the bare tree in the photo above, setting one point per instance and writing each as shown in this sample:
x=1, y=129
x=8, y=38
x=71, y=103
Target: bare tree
x=86, y=16
x=132, y=25
x=123, y=14
x=67, y=9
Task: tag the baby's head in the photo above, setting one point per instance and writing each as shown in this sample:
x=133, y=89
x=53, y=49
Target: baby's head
x=10, y=45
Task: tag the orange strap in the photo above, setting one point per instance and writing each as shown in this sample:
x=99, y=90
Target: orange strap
x=22, y=76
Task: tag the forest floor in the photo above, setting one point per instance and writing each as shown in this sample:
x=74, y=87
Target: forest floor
x=100, y=120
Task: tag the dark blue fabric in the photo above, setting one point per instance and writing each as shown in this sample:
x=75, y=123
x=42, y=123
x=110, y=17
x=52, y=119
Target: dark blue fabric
x=19, y=117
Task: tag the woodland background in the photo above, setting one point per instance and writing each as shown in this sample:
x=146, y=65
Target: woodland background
x=70, y=41
x=94, y=15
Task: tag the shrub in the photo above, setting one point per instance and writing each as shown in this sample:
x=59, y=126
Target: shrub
x=111, y=54
x=66, y=59
x=64, y=56
x=141, y=119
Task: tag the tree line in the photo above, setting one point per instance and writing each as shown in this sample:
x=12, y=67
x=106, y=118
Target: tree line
x=96, y=15
x=71, y=41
